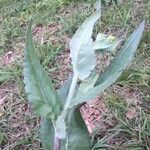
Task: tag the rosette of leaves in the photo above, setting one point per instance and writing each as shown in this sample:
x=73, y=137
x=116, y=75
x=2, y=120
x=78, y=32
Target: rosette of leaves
x=62, y=127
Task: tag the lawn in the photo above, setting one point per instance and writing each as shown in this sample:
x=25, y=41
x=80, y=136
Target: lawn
x=124, y=108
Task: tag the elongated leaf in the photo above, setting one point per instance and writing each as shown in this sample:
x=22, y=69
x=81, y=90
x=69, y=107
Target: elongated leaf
x=78, y=137
x=124, y=57
x=82, y=54
x=97, y=5
x=38, y=85
x=115, y=69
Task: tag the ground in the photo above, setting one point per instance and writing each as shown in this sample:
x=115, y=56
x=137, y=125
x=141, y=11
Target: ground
x=121, y=113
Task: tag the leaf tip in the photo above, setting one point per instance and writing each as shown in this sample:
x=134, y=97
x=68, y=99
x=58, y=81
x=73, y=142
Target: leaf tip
x=29, y=25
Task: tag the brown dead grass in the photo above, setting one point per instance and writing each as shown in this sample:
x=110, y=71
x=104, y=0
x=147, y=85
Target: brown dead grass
x=95, y=115
x=97, y=110
x=17, y=124
x=50, y=34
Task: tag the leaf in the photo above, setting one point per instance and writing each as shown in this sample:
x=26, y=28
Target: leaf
x=97, y=5
x=47, y=134
x=82, y=55
x=115, y=68
x=64, y=89
x=105, y=43
x=61, y=127
x=78, y=137
x=124, y=57
x=38, y=85
x=88, y=83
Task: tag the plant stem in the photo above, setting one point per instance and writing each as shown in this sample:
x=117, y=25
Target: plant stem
x=66, y=110
x=71, y=91
x=56, y=143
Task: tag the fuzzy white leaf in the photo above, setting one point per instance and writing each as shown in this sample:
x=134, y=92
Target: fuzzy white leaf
x=82, y=54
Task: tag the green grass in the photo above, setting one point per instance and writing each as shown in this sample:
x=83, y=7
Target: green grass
x=119, y=20
x=135, y=134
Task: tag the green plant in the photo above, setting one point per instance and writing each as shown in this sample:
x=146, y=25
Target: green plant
x=61, y=124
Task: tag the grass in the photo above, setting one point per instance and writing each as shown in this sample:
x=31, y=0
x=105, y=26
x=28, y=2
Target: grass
x=118, y=20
